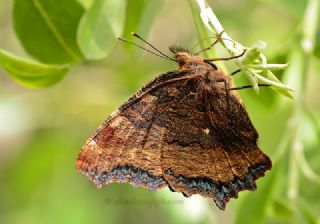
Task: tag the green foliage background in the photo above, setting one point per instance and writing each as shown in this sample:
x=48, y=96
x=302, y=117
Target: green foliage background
x=73, y=45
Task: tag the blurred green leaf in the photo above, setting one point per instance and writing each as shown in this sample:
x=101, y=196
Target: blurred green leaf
x=86, y=3
x=317, y=47
x=258, y=201
x=100, y=27
x=316, y=50
x=282, y=209
x=140, y=16
x=309, y=213
x=29, y=73
x=37, y=163
x=47, y=29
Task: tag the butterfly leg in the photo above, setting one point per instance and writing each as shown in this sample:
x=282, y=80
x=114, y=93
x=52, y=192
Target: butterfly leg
x=247, y=87
x=235, y=72
x=226, y=58
x=226, y=87
x=214, y=43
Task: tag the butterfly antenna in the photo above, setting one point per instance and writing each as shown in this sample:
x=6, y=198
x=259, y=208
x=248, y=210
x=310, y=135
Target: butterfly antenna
x=137, y=45
x=153, y=47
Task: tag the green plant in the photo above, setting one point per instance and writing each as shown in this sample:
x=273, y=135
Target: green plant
x=62, y=34
x=65, y=37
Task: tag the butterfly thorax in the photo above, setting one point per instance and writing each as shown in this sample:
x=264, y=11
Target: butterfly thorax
x=188, y=61
x=209, y=77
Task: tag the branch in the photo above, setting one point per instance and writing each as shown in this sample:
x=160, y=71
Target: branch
x=253, y=64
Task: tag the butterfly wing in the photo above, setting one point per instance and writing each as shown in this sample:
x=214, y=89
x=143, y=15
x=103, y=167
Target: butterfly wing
x=170, y=134
x=127, y=147
x=211, y=145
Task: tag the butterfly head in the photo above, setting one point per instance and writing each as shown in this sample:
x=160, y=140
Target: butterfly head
x=186, y=59
x=176, y=48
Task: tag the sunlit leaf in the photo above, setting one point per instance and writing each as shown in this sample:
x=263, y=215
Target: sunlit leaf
x=100, y=27
x=29, y=73
x=47, y=29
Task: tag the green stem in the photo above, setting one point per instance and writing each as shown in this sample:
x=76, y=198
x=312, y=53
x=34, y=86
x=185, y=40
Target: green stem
x=201, y=31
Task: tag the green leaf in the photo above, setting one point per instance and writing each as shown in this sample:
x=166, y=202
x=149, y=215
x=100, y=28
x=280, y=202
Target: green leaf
x=283, y=91
x=140, y=16
x=317, y=47
x=100, y=27
x=309, y=212
x=253, y=208
x=86, y=3
x=47, y=29
x=29, y=73
x=282, y=208
x=253, y=53
x=316, y=50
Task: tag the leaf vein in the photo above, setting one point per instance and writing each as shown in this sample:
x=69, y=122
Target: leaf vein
x=54, y=30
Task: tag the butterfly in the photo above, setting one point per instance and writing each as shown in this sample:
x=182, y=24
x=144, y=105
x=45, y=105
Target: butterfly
x=187, y=130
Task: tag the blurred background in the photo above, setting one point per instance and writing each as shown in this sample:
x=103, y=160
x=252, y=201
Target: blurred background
x=43, y=129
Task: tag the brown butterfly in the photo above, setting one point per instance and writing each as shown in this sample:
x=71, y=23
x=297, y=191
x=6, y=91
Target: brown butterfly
x=186, y=130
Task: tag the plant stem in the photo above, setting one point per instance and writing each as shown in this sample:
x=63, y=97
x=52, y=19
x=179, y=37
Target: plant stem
x=252, y=56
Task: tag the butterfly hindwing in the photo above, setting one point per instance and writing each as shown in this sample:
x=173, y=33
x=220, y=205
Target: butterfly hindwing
x=208, y=150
